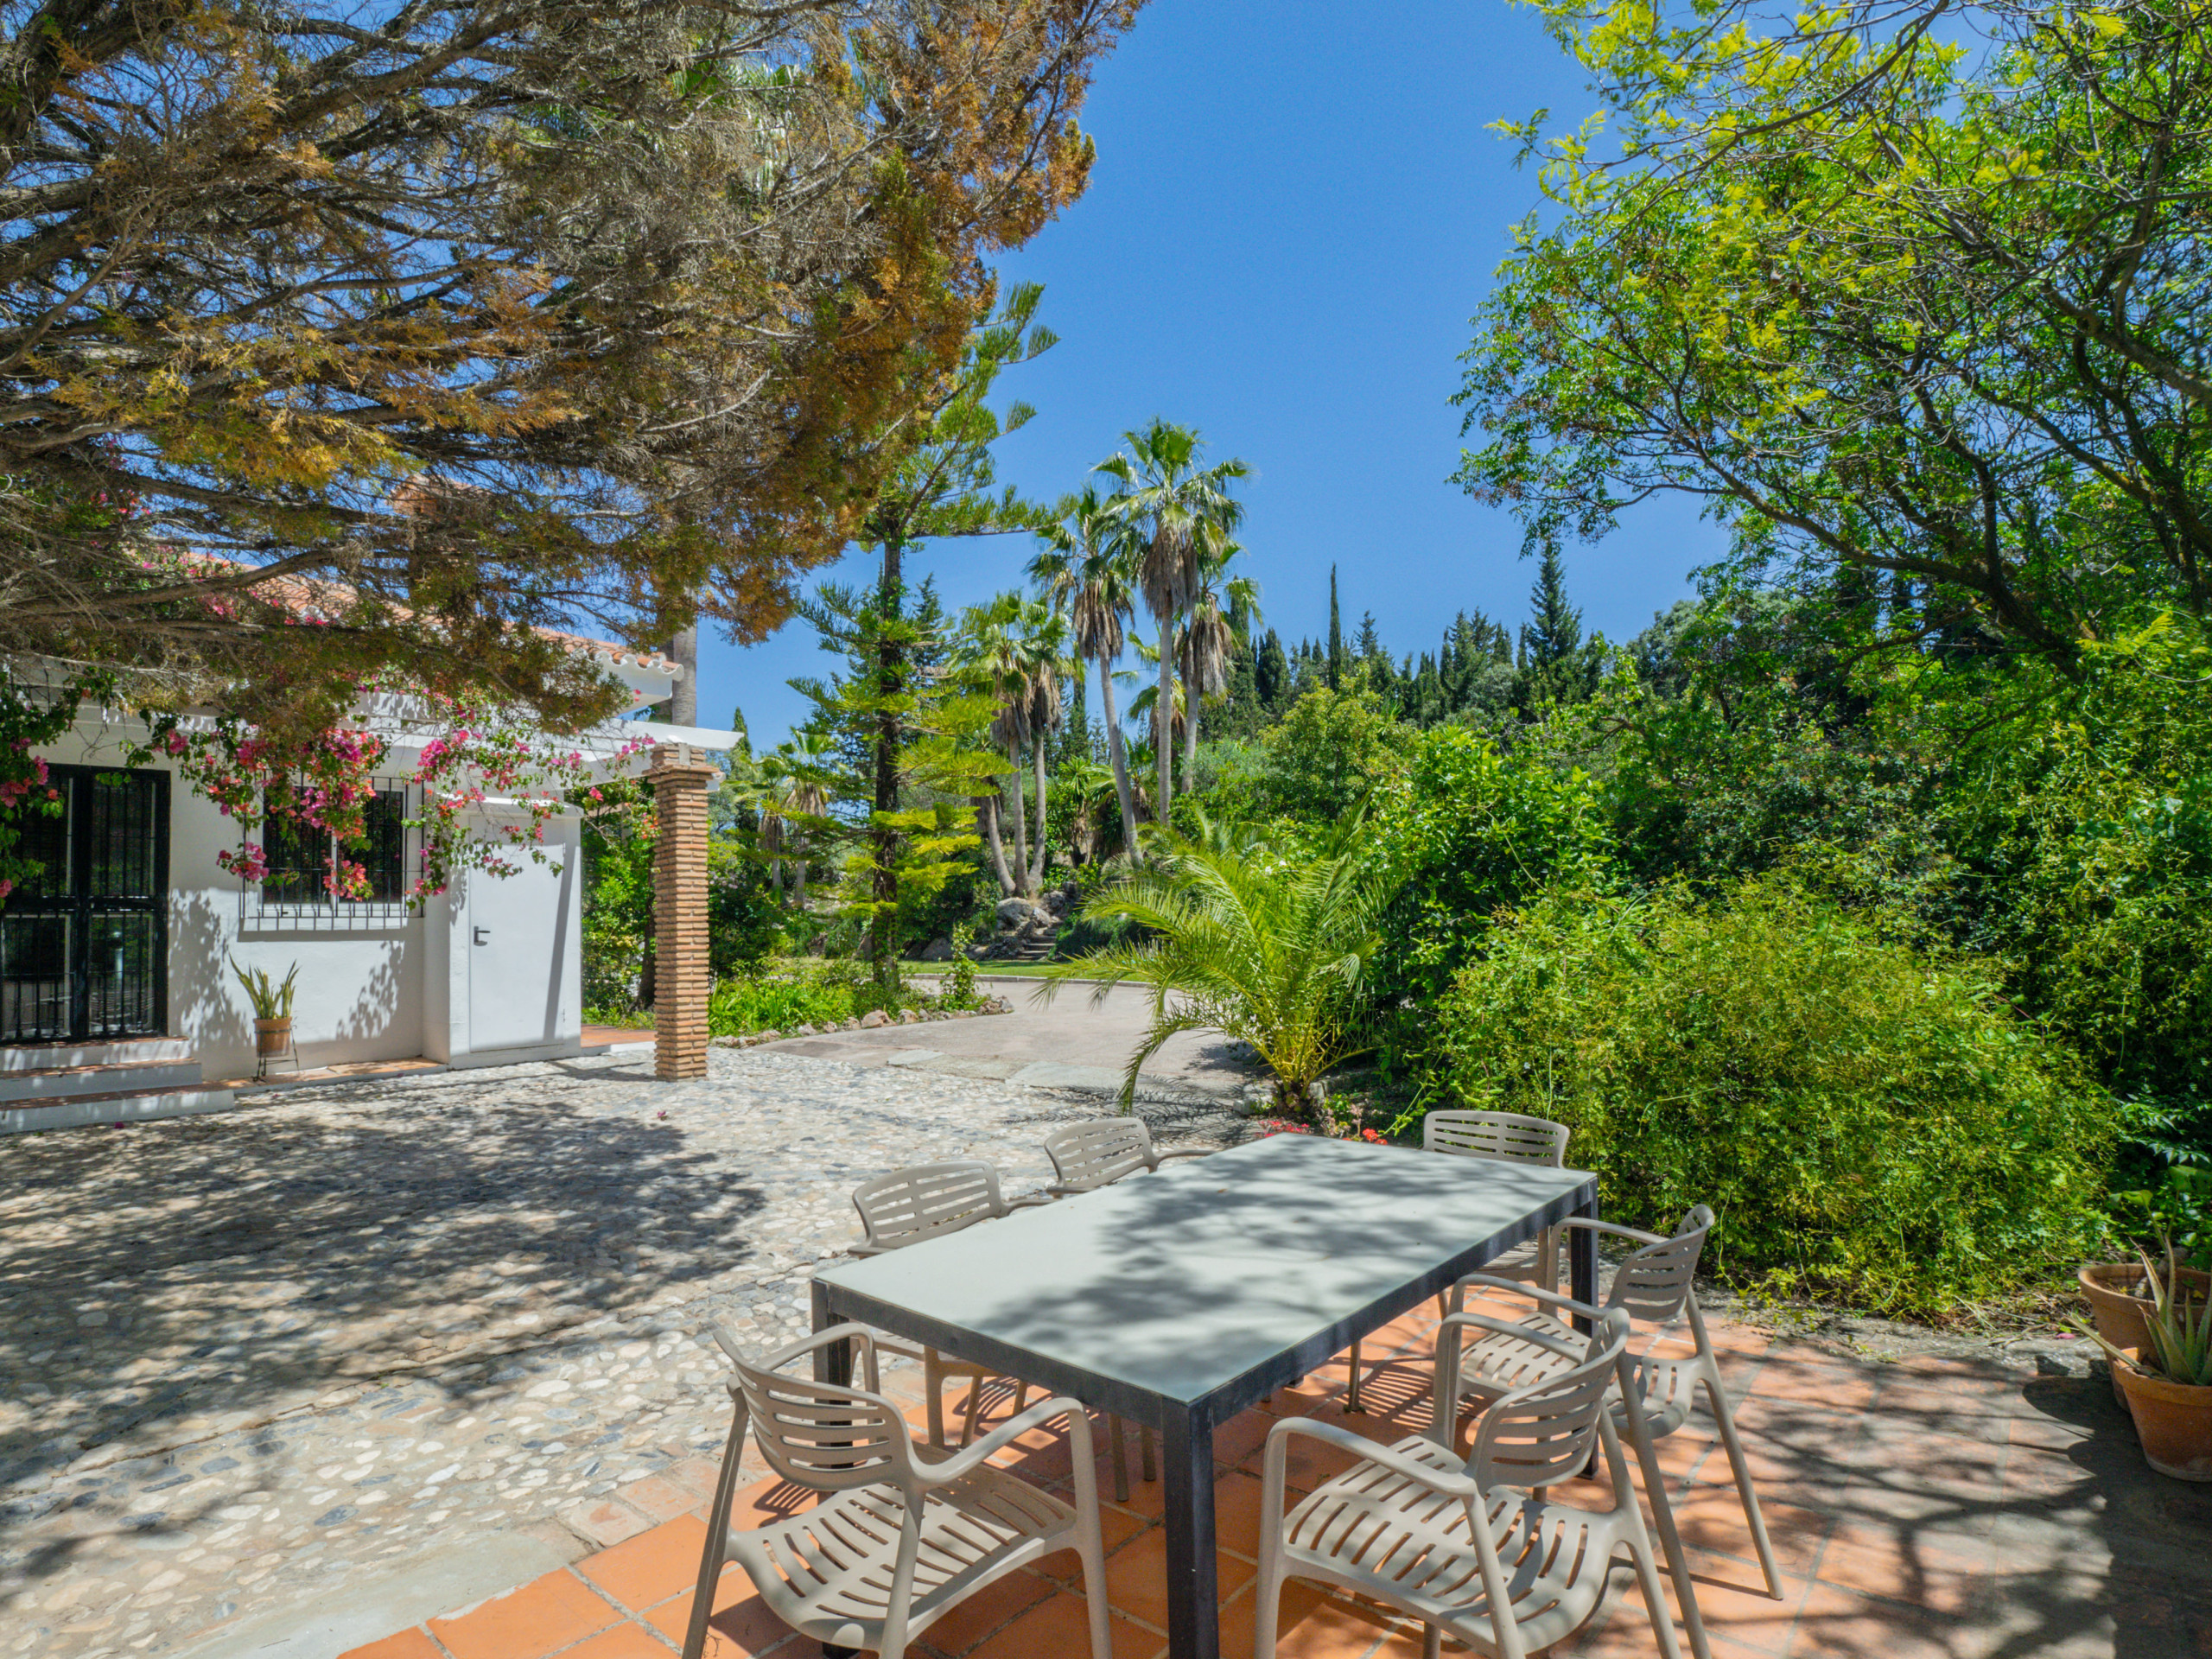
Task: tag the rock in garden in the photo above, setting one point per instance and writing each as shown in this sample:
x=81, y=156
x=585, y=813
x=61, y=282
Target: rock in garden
x=873, y=1018
x=768, y=1036
x=937, y=951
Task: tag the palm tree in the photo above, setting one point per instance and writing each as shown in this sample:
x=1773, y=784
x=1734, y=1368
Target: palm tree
x=793, y=797
x=1089, y=564
x=1020, y=645
x=1267, y=950
x=1178, y=502
x=1207, y=642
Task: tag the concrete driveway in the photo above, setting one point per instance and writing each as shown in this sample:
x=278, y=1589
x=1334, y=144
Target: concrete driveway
x=1075, y=1043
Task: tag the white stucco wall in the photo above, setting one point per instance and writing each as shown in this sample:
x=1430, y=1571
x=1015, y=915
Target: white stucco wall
x=385, y=991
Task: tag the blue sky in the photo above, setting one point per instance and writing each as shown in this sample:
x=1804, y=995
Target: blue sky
x=1295, y=210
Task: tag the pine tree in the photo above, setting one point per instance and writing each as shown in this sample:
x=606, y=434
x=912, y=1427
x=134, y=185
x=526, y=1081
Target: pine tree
x=1555, y=629
x=1369, y=643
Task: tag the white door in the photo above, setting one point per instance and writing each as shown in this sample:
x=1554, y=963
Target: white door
x=519, y=953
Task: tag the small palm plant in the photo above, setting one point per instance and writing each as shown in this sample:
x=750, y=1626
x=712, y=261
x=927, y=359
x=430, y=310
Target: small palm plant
x=271, y=999
x=1271, y=951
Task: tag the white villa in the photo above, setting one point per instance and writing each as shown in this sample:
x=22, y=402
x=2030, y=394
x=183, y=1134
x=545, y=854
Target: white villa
x=116, y=996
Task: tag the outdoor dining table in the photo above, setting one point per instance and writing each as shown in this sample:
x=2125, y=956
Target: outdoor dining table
x=1181, y=1298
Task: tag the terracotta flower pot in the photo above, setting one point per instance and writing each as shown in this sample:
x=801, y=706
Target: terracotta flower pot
x=275, y=1036
x=2174, y=1420
x=2119, y=1294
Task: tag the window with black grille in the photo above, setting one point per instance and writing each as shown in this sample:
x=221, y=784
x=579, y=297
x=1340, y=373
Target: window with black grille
x=301, y=859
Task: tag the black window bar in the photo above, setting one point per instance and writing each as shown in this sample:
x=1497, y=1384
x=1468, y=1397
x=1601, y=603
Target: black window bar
x=295, y=895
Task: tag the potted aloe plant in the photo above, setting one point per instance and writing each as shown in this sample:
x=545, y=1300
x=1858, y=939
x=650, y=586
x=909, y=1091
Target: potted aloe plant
x=272, y=1009
x=2167, y=1381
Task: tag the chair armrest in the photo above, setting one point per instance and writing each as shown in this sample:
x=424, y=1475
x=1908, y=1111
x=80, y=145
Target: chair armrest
x=1060, y=1190
x=1542, y=1298
x=1159, y=1157
x=1559, y=1345
x=1006, y=1433
x=1459, y=1485
x=1614, y=1228
x=1029, y=1201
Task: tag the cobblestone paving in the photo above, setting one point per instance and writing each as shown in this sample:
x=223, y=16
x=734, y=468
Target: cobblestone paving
x=246, y=1358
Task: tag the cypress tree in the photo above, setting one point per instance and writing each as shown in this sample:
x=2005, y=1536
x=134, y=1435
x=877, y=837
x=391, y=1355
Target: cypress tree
x=1336, y=637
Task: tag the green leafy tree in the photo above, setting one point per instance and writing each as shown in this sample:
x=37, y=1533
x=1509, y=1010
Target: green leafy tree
x=897, y=859
x=1882, y=302
x=939, y=487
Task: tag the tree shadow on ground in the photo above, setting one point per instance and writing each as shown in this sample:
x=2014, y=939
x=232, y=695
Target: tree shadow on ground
x=162, y=1284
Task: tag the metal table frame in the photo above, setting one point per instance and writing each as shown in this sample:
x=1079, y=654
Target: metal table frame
x=1186, y=1427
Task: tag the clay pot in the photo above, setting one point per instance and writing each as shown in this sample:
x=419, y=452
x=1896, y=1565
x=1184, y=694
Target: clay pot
x=2174, y=1420
x=271, y=1036
x=2119, y=1294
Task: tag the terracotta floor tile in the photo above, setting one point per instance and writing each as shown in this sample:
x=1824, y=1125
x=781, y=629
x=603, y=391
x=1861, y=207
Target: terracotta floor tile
x=1945, y=1411
x=1241, y=1436
x=1836, y=1623
x=1940, y=1572
x=408, y=1644
x=662, y=1498
x=1711, y=1518
x=1960, y=1375
x=1732, y=1599
x=1060, y=1629
x=768, y=1501
x=698, y=1475
x=1832, y=1385
x=741, y=1627
x=1237, y=1513
x=1332, y=1627
x=652, y=1566
x=1136, y=1580
x=1308, y=1461
x=623, y=1642
x=1400, y=1393
x=997, y=1605
x=1300, y=1600
x=545, y=1614
x=1119, y=1527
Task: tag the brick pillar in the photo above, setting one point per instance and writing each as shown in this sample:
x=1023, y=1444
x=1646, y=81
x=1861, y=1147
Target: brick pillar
x=680, y=977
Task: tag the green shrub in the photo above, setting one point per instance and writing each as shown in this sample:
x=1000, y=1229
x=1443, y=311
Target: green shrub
x=797, y=991
x=1469, y=829
x=1867, y=1121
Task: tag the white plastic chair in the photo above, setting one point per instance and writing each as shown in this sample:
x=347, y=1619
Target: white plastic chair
x=1505, y=1138
x=1653, y=1287
x=1474, y=1547
x=1101, y=1151
x=928, y=1201
x=900, y=1539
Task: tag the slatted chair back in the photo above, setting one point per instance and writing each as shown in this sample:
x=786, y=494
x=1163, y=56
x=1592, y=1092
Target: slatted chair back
x=909, y=1205
x=1100, y=1151
x=825, y=1438
x=1652, y=1285
x=1503, y=1137
x=1548, y=1433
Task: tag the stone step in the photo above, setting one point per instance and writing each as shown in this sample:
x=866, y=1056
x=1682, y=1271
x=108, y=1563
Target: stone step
x=96, y=1111
x=124, y=1051
x=126, y=1077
